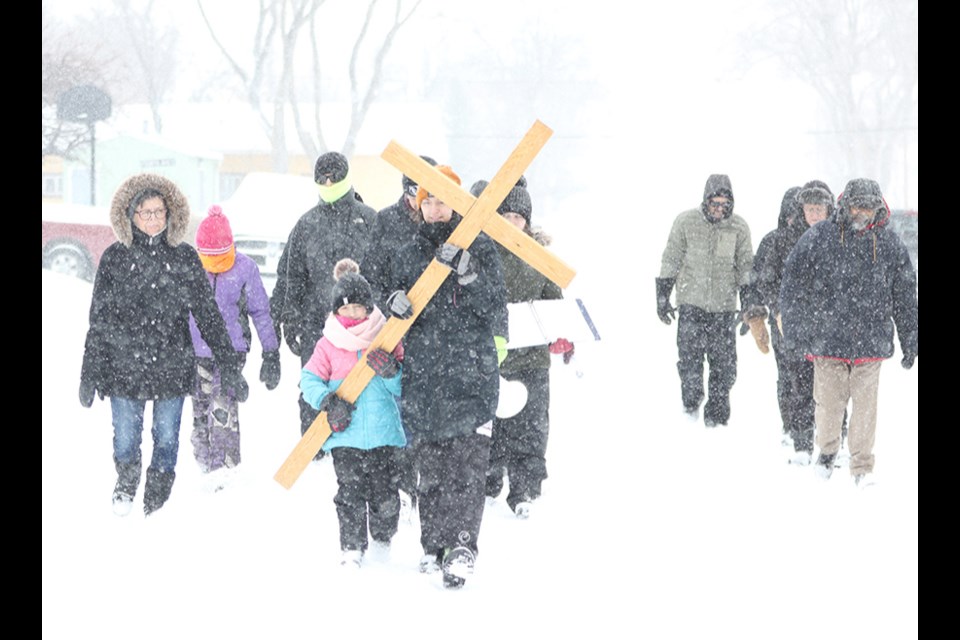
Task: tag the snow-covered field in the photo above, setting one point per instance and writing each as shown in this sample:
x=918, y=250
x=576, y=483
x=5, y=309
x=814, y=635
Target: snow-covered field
x=650, y=526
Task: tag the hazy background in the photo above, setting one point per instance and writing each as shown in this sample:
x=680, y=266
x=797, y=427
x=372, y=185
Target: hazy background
x=645, y=102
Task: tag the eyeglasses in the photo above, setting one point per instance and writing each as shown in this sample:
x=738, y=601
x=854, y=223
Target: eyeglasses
x=719, y=204
x=149, y=214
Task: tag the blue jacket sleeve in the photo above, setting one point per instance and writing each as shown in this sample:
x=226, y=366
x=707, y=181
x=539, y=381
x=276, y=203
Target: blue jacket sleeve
x=314, y=388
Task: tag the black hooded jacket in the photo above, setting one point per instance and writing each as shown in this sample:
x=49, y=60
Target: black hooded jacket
x=844, y=290
x=450, y=373
x=773, y=251
x=325, y=234
x=138, y=344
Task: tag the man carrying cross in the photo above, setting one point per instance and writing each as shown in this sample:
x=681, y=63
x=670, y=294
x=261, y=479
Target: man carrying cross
x=479, y=214
x=451, y=382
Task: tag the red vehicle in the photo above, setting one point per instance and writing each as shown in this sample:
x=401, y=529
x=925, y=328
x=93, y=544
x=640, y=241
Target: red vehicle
x=73, y=237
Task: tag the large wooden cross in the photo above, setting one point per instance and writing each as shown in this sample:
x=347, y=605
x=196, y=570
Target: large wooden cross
x=479, y=214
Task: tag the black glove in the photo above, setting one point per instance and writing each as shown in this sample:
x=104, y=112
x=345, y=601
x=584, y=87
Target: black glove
x=458, y=260
x=233, y=383
x=666, y=313
x=270, y=369
x=87, y=391
x=292, y=337
x=384, y=364
x=907, y=362
x=339, y=411
x=399, y=305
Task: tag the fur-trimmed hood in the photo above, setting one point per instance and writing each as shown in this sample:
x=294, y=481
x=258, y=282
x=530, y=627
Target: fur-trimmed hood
x=178, y=209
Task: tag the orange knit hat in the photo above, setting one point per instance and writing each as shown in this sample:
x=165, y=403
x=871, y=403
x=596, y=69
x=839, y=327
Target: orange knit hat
x=445, y=170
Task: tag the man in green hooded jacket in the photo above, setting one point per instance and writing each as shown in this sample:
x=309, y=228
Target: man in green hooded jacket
x=708, y=258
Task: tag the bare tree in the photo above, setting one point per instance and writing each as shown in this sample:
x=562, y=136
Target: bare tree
x=65, y=63
x=125, y=52
x=273, y=85
x=150, y=51
x=861, y=57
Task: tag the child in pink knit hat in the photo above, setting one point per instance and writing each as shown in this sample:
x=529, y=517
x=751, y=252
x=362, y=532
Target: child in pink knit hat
x=240, y=295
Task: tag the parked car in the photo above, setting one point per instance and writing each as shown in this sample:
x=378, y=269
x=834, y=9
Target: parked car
x=906, y=224
x=73, y=237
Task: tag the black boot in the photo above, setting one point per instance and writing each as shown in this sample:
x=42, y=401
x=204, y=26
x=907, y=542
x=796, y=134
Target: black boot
x=128, y=477
x=159, y=484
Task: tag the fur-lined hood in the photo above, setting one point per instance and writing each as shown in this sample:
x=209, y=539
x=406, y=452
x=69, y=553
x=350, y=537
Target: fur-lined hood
x=178, y=209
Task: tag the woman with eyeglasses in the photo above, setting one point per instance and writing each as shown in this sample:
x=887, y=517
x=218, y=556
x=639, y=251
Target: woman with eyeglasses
x=138, y=347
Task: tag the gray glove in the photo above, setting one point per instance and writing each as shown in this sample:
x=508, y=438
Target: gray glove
x=458, y=260
x=399, y=305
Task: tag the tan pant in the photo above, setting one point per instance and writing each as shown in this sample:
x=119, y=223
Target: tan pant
x=835, y=383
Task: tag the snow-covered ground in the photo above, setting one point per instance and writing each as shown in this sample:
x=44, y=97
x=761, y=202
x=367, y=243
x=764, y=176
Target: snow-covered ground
x=649, y=526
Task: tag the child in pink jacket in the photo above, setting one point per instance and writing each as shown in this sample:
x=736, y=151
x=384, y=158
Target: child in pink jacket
x=366, y=435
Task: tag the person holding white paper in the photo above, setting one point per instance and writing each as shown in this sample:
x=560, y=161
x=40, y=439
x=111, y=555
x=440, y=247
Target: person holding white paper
x=520, y=441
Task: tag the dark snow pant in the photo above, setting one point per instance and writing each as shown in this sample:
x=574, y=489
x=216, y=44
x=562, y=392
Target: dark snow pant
x=407, y=474
x=216, y=423
x=367, y=495
x=307, y=413
x=452, y=479
x=800, y=403
x=701, y=334
x=783, y=385
x=520, y=443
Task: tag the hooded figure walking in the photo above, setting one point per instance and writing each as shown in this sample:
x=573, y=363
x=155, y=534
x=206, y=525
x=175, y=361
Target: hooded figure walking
x=138, y=347
x=846, y=285
x=708, y=257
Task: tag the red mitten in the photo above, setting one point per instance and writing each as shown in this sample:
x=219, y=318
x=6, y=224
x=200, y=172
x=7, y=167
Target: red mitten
x=564, y=347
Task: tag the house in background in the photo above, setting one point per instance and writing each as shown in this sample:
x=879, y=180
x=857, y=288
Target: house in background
x=209, y=148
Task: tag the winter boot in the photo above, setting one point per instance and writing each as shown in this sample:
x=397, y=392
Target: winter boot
x=157, y=490
x=824, y=466
x=430, y=563
x=351, y=559
x=457, y=567
x=128, y=479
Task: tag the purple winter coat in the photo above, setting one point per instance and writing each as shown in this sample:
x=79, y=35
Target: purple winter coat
x=239, y=292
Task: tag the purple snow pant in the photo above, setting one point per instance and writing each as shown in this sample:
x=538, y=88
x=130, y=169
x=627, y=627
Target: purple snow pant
x=216, y=426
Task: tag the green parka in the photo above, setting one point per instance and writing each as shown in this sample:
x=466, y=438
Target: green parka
x=710, y=260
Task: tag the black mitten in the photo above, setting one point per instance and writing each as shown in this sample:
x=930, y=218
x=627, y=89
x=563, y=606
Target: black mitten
x=339, y=411
x=384, y=364
x=270, y=369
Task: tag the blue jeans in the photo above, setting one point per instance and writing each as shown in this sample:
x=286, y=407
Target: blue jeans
x=128, y=430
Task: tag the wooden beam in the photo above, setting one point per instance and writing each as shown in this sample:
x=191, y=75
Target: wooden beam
x=520, y=243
